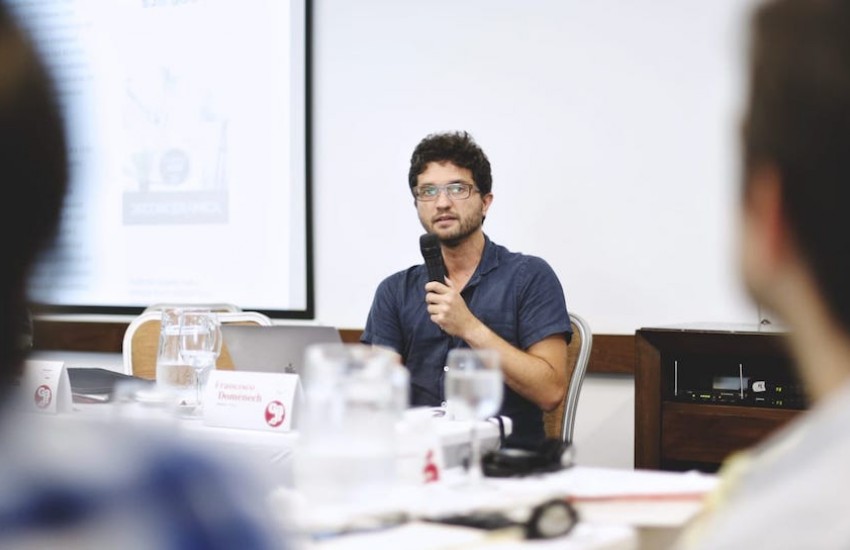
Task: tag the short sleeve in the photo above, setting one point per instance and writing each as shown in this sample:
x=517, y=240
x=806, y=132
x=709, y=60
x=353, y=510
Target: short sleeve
x=542, y=305
x=383, y=325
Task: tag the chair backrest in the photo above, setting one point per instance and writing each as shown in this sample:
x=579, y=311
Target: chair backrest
x=559, y=423
x=217, y=307
x=141, y=340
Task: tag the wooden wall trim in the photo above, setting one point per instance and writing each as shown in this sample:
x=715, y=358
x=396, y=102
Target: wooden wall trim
x=78, y=335
x=610, y=354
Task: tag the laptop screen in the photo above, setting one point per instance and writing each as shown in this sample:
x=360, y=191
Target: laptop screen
x=277, y=348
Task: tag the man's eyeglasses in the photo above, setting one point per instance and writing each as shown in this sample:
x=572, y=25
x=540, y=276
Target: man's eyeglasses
x=454, y=191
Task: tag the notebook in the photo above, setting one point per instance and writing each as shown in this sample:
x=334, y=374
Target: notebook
x=95, y=385
x=277, y=348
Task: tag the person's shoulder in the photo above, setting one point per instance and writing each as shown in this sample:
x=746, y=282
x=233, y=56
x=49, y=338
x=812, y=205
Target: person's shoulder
x=402, y=278
x=537, y=263
x=529, y=261
x=116, y=468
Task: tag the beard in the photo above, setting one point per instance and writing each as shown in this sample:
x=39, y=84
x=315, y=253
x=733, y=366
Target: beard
x=467, y=226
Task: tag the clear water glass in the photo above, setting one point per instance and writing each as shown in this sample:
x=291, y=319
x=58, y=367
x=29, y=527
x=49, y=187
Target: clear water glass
x=474, y=390
x=174, y=376
x=200, y=346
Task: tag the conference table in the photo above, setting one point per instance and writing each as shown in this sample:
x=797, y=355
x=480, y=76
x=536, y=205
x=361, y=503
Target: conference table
x=617, y=509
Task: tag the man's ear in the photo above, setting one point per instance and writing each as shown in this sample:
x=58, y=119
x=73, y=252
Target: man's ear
x=487, y=200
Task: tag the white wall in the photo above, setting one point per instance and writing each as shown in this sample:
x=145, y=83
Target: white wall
x=605, y=422
x=611, y=127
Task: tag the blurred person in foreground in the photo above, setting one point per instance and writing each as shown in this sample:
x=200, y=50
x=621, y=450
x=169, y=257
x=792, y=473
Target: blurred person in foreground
x=63, y=482
x=491, y=297
x=791, y=491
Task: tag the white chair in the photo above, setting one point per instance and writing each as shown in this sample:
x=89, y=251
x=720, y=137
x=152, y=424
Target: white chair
x=560, y=422
x=141, y=340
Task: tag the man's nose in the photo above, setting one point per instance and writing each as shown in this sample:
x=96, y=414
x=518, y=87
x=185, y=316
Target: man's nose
x=443, y=200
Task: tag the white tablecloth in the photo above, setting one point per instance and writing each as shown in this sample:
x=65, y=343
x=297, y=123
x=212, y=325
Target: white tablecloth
x=273, y=451
x=614, y=506
x=610, y=501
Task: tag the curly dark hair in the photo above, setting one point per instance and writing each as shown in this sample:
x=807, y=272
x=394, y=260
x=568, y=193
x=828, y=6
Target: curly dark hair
x=456, y=147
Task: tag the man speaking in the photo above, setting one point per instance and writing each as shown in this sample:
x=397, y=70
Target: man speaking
x=490, y=297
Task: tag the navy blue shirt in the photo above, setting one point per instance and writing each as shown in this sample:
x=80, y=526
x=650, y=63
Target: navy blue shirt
x=517, y=296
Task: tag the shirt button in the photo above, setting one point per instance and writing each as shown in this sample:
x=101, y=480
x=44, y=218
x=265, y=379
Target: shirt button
x=443, y=404
x=446, y=368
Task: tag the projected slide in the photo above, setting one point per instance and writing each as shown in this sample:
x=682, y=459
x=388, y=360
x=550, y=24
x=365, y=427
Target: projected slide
x=187, y=126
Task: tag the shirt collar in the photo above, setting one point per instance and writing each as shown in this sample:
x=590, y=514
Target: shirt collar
x=489, y=261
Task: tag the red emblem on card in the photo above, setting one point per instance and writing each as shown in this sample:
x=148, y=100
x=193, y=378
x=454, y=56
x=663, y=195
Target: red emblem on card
x=43, y=396
x=431, y=471
x=275, y=414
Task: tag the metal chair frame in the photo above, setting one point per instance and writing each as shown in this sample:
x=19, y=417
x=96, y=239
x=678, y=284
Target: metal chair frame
x=566, y=413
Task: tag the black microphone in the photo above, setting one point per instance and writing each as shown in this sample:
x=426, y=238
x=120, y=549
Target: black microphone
x=430, y=246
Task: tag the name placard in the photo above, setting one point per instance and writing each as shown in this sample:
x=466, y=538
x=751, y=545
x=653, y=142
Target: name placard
x=252, y=400
x=45, y=387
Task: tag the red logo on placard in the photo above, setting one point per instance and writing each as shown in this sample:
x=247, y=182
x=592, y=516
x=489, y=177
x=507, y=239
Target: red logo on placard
x=431, y=471
x=275, y=414
x=43, y=396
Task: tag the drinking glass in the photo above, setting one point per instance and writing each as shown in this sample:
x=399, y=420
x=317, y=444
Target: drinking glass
x=200, y=345
x=474, y=392
x=355, y=396
x=174, y=377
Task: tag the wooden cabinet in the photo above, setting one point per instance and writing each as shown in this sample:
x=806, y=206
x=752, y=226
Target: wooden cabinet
x=704, y=391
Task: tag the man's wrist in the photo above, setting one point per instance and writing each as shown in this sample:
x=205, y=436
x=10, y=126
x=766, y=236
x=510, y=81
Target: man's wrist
x=478, y=335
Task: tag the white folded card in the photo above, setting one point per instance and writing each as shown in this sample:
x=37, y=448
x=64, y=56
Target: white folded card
x=251, y=400
x=45, y=387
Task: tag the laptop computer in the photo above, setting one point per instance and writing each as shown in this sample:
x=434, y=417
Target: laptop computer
x=277, y=348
